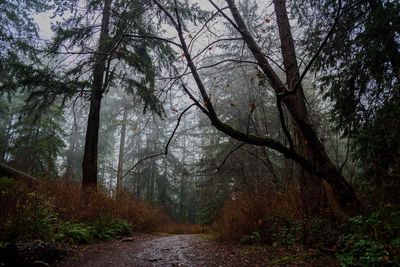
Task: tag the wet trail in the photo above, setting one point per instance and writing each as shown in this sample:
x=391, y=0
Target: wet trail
x=143, y=250
x=168, y=251
x=177, y=250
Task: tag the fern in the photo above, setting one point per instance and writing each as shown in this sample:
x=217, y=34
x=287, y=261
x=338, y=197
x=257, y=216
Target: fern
x=76, y=233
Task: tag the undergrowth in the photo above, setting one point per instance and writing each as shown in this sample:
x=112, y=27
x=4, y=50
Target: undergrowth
x=372, y=239
x=60, y=212
x=258, y=217
x=180, y=228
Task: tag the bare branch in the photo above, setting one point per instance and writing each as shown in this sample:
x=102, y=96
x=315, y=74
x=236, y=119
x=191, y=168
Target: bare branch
x=227, y=60
x=166, y=146
x=214, y=42
x=220, y=10
x=226, y=158
x=209, y=108
x=204, y=26
x=152, y=37
x=196, y=102
x=262, y=60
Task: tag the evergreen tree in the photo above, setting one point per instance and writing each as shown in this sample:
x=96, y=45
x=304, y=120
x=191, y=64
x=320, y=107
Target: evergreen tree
x=119, y=58
x=359, y=71
x=30, y=143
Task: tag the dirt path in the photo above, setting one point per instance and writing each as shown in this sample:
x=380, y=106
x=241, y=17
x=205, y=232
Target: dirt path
x=181, y=250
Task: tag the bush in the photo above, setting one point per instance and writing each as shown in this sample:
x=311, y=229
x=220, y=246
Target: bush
x=262, y=216
x=72, y=205
x=180, y=228
x=103, y=229
x=59, y=211
x=321, y=232
x=372, y=240
x=25, y=215
x=288, y=233
x=76, y=233
x=142, y=216
x=107, y=228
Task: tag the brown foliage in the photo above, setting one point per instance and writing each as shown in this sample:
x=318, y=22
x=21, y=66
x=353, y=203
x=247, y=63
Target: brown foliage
x=142, y=216
x=71, y=204
x=247, y=212
x=24, y=213
x=180, y=228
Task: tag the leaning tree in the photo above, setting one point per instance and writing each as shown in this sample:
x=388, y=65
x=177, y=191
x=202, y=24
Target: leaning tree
x=308, y=151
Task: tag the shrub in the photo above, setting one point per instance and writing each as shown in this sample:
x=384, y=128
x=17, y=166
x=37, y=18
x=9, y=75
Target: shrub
x=288, y=233
x=142, y=216
x=107, y=228
x=102, y=229
x=180, y=228
x=320, y=232
x=25, y=214
x=59, y=211
x=257, y=217
x=76, y=233
x=372, y=240
x=72, y=205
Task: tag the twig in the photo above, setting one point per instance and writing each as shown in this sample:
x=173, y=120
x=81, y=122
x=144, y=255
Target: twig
x=152, y=37
x=165, y=152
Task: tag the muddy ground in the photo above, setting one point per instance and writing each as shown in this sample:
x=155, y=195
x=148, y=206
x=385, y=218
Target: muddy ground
x=189, y=250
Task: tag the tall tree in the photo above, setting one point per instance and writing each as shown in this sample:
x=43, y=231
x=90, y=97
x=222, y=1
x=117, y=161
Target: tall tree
x=119, y=56
x=121, y=152
x=89, y=164
x=30, y=143
x=313, y=190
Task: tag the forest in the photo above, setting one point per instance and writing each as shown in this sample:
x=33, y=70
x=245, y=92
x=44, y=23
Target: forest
x=199, y=133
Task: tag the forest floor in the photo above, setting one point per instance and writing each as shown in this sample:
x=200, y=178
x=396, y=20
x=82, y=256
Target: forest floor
x=189, y=250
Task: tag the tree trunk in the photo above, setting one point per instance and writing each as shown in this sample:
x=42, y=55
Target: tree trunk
x=321, y=165
x=182, y=185
x=312, y=190
x=121, y=154
x=73, y=138
x=139, y=175
x=270, y=167
x=32, y=164
x=5, y=146
x=89, y=164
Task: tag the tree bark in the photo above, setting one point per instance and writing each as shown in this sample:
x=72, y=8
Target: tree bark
x=182, y=185
x=121, y=154
x=89, y=164
x=4, y=147
x=312, y=190
x=73, y=138
x=139, y=173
